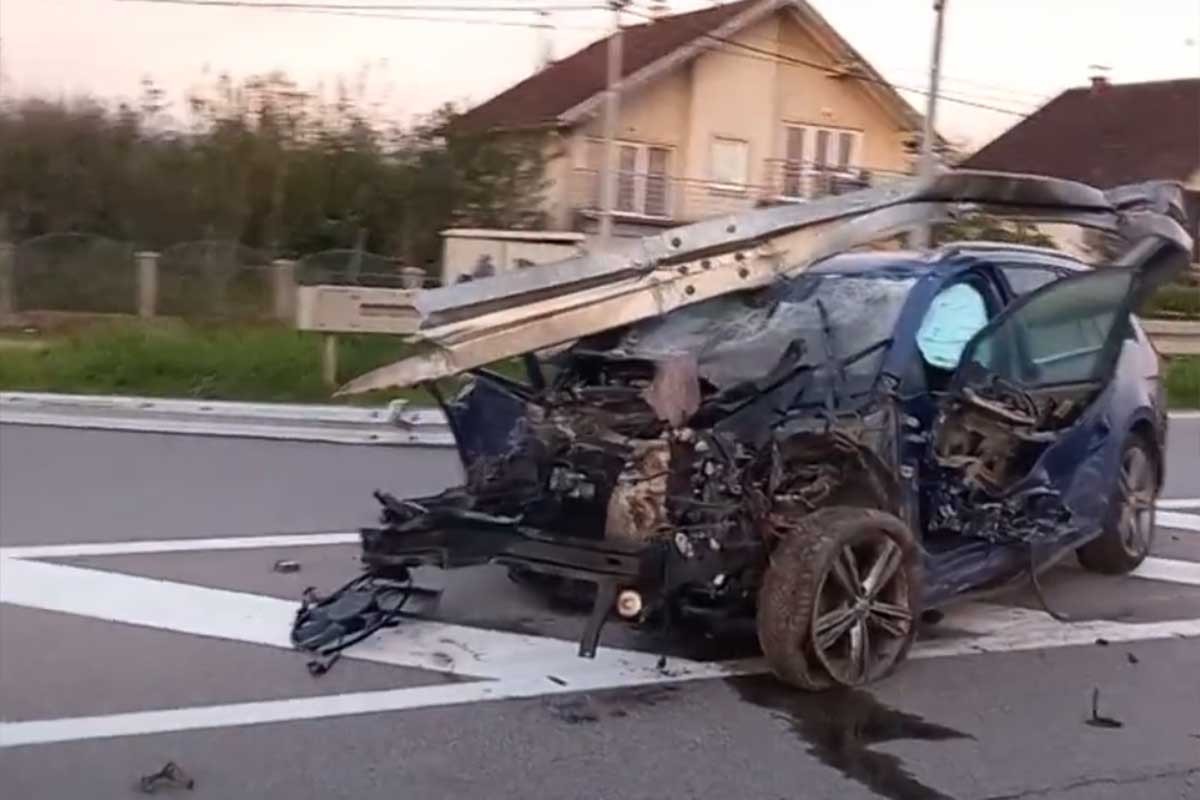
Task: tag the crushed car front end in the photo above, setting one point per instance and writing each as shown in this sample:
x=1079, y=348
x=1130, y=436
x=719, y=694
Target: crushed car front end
x=660, y=461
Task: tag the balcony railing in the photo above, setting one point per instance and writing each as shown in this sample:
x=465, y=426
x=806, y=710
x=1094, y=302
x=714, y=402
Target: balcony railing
x=657, y=197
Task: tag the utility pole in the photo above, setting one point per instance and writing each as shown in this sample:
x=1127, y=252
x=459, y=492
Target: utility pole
x=928, y=163
x=612, y=95
x=545, y=34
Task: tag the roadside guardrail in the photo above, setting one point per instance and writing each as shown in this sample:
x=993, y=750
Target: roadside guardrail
x=395, y=424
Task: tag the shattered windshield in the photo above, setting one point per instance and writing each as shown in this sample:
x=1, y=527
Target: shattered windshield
x=814, y=320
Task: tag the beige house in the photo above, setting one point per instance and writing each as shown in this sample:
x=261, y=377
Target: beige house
x=741, y=105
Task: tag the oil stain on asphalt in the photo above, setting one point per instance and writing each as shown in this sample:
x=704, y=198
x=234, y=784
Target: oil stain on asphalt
x=840, y=728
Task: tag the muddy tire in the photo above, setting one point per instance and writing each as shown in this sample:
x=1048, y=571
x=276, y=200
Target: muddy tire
x=1129, y=526
x=840, y=600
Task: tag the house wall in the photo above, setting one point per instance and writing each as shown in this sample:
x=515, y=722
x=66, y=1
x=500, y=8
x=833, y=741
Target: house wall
x=809, y=96
x=731, y=93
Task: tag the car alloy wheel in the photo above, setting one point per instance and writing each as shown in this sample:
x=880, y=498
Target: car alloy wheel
x=1136, y=523
x=862, y=618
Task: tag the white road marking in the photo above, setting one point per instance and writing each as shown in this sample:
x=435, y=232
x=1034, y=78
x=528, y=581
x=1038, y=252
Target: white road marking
x=1169, y=569
x=512, y=665
x=998, y=629
x=1179, y=502
x=258, y=619
x=177, y=545
x=1174, y=519
x=1185, y=415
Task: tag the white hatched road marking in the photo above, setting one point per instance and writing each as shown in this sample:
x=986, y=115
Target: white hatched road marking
x=1180, y=502
x=509, y=665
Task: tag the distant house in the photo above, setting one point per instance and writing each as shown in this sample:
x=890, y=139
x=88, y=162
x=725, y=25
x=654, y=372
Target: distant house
x=722, y=109
x=1109, y=134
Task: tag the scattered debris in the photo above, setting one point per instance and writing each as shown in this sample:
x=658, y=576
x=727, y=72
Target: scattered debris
x=286, y=565
x=661, y=666
x=1102, y=642
x=1098, y=721
x=1131, y=658
x=325, y=626
x=169, y=777
x=556, y=679
x=611, y=704
x=574, y=711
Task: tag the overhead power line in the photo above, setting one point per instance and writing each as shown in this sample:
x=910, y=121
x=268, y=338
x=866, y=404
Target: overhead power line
x=274, y=5
x=784, y=58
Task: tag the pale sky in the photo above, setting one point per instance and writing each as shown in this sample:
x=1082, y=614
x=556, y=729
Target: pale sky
x=1008, y=53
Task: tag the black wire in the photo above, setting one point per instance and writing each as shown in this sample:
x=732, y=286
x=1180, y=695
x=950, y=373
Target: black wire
x=1037, y=591
x=773, y=55
x=292, y=5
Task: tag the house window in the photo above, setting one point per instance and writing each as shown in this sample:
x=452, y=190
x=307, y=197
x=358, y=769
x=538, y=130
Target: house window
x=657, y=161
x=642, y=182
x=793, y=165
x=821, y=156
x=730, y=162
x=627, y=178
x=809, y=150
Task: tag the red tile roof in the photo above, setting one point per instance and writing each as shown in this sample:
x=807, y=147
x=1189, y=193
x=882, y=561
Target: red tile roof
x=542, y=97
x=1105, y=136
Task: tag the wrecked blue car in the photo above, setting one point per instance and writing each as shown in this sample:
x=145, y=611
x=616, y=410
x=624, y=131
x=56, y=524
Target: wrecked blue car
x=745, y=419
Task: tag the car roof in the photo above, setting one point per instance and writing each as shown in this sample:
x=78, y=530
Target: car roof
x=958, y=254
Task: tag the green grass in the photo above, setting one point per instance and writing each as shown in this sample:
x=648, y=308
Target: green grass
x=255, y=363
x=1174, y=300
x=1183, y=382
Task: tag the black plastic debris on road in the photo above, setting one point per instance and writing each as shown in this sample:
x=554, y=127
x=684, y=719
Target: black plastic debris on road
x=1097, y=720
x=171, y=776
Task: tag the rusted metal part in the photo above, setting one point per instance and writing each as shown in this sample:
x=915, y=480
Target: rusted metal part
x=637, y=508
x=473, y=324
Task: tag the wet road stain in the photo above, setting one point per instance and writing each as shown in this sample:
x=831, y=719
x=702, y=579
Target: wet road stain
x=840, y=728
x=615, y=704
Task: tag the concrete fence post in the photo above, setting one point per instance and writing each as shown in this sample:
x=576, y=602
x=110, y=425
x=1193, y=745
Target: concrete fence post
x=147, y=282
x=283, y=290
x=329, y=359
x=8, y=266
x=412, y=277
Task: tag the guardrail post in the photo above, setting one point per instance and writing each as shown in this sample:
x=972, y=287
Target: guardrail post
x=283, y=290
x=8, y=302
x=147, y=282
x=329, y=359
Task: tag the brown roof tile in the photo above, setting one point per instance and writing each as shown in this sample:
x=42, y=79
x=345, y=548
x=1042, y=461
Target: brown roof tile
x=543, y=96
x=1114, y=134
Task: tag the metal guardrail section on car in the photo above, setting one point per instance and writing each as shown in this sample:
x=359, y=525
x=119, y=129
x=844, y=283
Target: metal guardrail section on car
x=1174, y=337
x=490, y=319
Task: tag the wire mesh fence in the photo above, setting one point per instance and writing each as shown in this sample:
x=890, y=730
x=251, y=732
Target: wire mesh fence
x=74, y=272
x=214, y=279
x=350, y=268
x=206, y=279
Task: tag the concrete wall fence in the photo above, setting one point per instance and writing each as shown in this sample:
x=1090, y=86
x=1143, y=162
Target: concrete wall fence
x=210, y=279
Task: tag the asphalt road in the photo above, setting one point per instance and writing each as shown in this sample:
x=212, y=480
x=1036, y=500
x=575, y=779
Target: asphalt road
x=117, y=657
